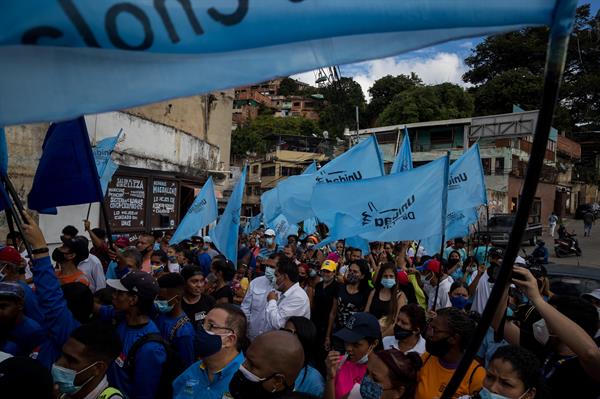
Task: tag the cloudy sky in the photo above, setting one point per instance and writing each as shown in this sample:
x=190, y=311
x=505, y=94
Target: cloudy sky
x=438, y=64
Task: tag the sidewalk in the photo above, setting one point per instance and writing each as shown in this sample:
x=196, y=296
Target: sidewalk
x=590, y=246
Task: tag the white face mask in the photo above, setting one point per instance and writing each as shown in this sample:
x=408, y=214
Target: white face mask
x=365, y=358
x=540, y=332
x=486, y=394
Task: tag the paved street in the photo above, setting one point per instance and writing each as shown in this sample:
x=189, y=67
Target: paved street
x=590, y=246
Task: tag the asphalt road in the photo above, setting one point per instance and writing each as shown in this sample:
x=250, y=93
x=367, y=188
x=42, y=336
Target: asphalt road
x=590, y=246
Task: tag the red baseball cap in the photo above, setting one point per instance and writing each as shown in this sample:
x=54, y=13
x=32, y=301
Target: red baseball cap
x=433, y=265
x=10, y=255
x=122, y=242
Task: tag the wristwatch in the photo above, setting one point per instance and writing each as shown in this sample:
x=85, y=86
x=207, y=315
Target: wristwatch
x=39, y=251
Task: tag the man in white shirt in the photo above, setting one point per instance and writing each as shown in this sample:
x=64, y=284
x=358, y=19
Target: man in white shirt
x=91, y=266
x=255, y=301
x=291, y=299
x=435, y=274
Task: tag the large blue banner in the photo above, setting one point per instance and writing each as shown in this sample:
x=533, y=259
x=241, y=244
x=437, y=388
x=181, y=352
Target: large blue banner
x=65, y=58
x=401, y=206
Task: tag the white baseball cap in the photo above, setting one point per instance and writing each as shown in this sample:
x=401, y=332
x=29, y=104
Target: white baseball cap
x=270, y=232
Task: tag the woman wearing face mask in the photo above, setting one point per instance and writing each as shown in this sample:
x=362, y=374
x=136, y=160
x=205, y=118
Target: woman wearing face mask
x=469, y=269
x=386, y=299
x=351, y=297
x=391, y=374
x=446, y=340
x=459, y=294
x=455, y=266
x=513, y=373
x=407, y=331
x=361, y=336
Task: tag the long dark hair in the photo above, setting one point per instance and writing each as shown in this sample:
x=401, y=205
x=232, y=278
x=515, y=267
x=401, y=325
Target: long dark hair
x=402, y=369
x=363, y=265
x=393, y=301
x=306, y=331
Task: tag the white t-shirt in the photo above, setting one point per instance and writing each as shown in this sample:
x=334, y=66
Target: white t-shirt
x=482, y=293
x=443, y=300
x=391, y=342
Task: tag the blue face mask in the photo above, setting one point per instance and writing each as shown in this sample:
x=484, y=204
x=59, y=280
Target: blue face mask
x=369, y=389
x=270, y=274
x=162, y=306
x=459, y=302
x=388, y=282
x=486, y=394
x=65, y=378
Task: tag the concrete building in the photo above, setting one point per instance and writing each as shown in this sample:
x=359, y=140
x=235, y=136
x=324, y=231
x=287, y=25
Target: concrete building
x=505, y=145
x=165, y=155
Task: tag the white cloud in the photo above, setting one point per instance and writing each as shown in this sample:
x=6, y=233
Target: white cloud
x=432, y=69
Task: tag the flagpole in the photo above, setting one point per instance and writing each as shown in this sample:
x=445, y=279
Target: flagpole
x=555, y=63
x=17, y=201
x=444, y=212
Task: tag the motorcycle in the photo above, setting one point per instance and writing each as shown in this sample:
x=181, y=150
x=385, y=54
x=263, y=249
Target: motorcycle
x=567, y=246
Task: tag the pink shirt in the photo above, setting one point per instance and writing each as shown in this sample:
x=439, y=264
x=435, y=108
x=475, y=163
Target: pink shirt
x=348, y=374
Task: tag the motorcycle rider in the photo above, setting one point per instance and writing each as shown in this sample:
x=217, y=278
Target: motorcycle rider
x=540, y=253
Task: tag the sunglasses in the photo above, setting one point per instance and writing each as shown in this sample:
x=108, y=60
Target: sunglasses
x=288, y=330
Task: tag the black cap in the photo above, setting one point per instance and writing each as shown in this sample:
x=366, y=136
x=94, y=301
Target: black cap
x=136, y=282
x=359, y=326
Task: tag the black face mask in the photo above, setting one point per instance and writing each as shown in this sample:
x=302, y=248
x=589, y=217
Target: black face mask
x=58, y=256
x=438, y=348
x=401, y=333
x=453, y=262
x=242, y=388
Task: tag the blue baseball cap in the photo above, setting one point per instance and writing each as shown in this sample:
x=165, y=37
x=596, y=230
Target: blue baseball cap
x=359, y=326
x=12, y=290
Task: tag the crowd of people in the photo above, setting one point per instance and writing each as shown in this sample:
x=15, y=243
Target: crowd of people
x=143, y=319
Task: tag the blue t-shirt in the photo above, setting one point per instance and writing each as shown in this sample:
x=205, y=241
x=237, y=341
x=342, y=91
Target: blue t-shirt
x=183, y=340
x=28, y=335
x=204, y=260
x=194, y=382
x=148, y=363
x=31, y=308
x=488, y=346
x=113, y=272
x=310, y=381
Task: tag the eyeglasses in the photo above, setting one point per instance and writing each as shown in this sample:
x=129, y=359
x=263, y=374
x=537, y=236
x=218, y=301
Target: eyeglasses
x=288, y=330
x=209, y=326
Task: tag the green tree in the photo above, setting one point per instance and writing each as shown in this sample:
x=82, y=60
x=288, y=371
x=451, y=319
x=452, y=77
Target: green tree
x=342, y=98
x=288, y=87
x=509, y=68
x=427, y=103
x=251, y=137
x=385, y=89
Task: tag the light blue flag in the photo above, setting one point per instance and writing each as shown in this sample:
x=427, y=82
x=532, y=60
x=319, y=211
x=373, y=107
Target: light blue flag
x=360, y=243
x=309, y=225
x=55, y=53
x=253, y=224
x=225, y=233
x=269, y=204
x=310, y=169
x=459, y=222
x=466, y=183
x=403, y=206
x=360, y=162
x=403, y=161
x=202, y=212
x=283, y=228
x=105, y=166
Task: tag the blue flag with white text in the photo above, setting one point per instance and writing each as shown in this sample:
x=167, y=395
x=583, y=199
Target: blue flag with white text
x=202, y=212
x=283, y=228
x=55, y=53
x=362, y=161
x=225, y=233
x=403, y=161
x=66, y=173
x=105, y=166
x=253, y=223
x=378, y=210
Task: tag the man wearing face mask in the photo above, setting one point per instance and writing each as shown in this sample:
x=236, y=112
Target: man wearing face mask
x=255, y=300
x=219, y=344
x=273, y=362
x=562, y=339
x=291, y=299
x=80, y=372
x=172, y=322
x=270, y=246
x=446, y=340
x=12, y=270
x=434, y=273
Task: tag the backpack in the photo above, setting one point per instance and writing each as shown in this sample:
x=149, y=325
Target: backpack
x=171, y=369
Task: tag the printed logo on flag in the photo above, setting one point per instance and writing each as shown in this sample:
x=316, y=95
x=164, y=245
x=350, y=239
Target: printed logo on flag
x=339, y=176
x=455, y=181
x=388, y=218
x=199, y=207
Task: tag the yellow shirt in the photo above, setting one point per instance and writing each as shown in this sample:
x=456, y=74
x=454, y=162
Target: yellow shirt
x=433, y=378
x=421, y=299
